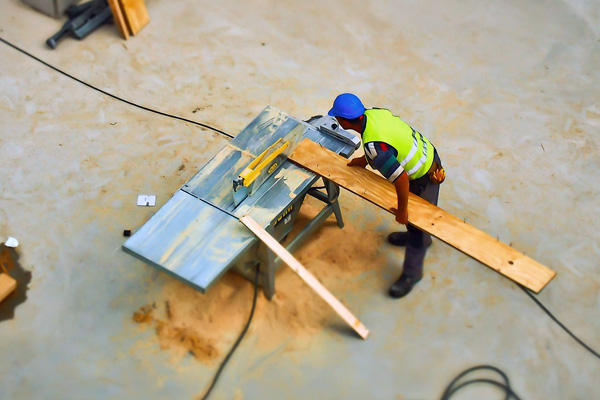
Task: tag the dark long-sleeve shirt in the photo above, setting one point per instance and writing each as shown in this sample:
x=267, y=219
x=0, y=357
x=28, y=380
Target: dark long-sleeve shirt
x=382, y=157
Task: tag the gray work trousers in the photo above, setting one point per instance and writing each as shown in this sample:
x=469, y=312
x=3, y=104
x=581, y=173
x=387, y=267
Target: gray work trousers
x=418, y=241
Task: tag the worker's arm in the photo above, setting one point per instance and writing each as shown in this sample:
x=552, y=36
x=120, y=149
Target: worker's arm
x=401, y=185
x=359, y=161
x=383, y=157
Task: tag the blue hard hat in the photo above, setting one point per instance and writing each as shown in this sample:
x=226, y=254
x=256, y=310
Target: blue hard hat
x=347, y=105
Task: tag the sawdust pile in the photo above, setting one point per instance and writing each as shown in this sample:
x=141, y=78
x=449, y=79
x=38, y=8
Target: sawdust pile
x=206, y=325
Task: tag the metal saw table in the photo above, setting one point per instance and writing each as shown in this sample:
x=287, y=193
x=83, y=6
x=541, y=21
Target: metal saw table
x=196, y=236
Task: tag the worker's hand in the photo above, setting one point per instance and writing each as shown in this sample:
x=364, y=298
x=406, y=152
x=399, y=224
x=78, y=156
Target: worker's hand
x=359, y=162
x=401, y=217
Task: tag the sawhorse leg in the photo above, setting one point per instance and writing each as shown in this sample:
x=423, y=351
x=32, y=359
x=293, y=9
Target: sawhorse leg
x=269, y=261
x=333, y=193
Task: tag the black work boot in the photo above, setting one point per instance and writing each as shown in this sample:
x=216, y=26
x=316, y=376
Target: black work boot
x=404, y=285
x=398, y=238
x=412, y=271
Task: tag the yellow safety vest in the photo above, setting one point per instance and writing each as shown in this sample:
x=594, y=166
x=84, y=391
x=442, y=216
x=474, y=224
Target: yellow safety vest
x=415, y=152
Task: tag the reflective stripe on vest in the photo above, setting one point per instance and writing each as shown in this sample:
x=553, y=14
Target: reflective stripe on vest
x=415, y=156
x=413, y=151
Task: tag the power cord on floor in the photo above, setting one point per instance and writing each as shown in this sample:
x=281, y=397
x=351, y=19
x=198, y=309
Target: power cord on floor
x=539, y=303
x=113, y=96
x=451, y=388
x=238, y=341
x=454, y=387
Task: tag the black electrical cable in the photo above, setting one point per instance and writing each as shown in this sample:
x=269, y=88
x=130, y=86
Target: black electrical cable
x=237, y=342
x=451, y=388
x=112, y=95
x=539, y=303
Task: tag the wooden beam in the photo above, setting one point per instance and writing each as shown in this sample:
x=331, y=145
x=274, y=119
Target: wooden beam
x=135, y=14
x=7, y=285
x=425, y=216
x=115, y=7
x=309, y=278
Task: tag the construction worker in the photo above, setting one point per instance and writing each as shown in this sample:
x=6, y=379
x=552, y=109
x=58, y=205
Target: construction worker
x=408, y=160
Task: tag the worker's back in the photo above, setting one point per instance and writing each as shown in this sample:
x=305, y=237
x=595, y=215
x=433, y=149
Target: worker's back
x=415, y=152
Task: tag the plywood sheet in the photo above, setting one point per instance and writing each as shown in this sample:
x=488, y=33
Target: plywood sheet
x=432, y=219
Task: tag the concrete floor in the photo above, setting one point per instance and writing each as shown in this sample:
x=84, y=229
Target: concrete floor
x=508, y=91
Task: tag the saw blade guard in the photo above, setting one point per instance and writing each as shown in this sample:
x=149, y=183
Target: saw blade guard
x=266, y=164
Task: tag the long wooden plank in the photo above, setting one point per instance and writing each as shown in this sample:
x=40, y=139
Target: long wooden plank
x=425, y=216
x=309, y=278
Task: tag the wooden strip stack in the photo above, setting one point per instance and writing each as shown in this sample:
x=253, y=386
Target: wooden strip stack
x=129, y=15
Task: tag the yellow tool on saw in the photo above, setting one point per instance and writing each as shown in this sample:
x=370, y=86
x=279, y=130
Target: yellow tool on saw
x=255, y=169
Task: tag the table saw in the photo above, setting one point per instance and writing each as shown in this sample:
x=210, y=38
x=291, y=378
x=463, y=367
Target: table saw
x=196, y=236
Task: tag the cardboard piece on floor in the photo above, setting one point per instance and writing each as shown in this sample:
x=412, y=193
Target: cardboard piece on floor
x=425, y=216
x=146, y=200
x=309, y=278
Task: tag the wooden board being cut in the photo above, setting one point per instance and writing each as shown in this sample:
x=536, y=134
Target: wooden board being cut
x=425, y=216
x=303, y=273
